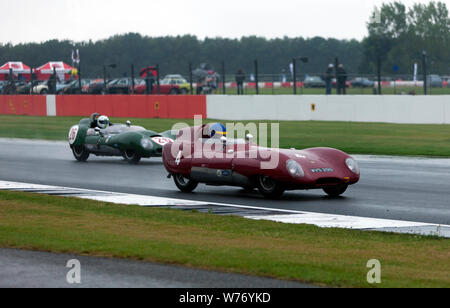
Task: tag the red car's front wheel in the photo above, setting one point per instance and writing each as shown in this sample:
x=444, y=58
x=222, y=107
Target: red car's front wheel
x=335, y=191
x=269, y=188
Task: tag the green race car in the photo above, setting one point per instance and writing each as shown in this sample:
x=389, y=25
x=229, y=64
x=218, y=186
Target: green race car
x=95, y=135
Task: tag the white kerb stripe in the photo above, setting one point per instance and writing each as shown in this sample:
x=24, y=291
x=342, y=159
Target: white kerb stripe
x=51, y=105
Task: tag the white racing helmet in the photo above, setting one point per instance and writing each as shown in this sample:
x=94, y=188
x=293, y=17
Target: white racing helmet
x=103, y=122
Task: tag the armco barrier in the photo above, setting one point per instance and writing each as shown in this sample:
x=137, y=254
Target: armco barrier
x=433, y=109
x=130, y=106
x=33, y=105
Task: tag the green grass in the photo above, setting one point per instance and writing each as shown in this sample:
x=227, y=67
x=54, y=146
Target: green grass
x=331, y=257
x=361, y=138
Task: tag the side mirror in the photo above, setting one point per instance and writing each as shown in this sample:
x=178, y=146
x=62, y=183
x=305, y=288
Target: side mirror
x=128, y=123
x=98, y=131
x=249, y=138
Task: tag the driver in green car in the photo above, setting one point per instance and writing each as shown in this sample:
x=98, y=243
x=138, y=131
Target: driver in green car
x=103, y=122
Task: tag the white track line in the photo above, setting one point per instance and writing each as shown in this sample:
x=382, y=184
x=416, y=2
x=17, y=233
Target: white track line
x=290, y=216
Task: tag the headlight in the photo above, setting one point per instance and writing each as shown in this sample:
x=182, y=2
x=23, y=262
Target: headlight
x=146, y=144
x=352, y=165
x=294, y=169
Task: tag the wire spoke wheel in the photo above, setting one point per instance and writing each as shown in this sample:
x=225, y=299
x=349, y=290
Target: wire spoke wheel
x=270, y=188
x=184, y=184
x=131, y=156
x=80, y=153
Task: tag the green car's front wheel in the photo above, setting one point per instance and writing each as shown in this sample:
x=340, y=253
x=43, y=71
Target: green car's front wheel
x=131, y=156
x=80, y=153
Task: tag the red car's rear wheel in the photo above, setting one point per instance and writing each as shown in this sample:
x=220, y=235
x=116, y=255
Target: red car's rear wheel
x=269, y=188
x=184, y=184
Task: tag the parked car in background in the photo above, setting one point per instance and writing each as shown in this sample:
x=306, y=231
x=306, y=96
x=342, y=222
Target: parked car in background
x=2, y=84
x=23, y=87
x=314, y=82
x=434, y=81
x=120, y=86
x=183, y=86
x=166, y=87
x=41, y=88
x=362, y=83
x=60, y=86
x=74, y=87
x=96, y=87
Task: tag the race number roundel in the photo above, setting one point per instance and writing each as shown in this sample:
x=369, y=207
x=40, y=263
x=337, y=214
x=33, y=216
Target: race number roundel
x=73, y=134
x=162, y=140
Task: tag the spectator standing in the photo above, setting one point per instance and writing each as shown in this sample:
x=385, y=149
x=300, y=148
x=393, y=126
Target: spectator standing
x=329, y=78
x=149, y=80
x=240, y=78
x=10, y=88
x=52, y=84
x=341, y=79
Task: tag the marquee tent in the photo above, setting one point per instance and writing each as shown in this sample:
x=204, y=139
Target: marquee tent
x=63, y=70
x=18, y=68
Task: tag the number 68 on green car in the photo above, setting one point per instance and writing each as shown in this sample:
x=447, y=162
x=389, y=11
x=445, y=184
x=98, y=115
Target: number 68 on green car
x=96, y=135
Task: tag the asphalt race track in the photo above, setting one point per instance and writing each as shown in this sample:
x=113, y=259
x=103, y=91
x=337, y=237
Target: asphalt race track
x=411, y=189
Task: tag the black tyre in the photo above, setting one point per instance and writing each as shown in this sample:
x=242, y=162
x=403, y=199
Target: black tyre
x=184, y=91
x=80, y=153
x=335, y=191
x=131, y=157
x=269, y=188
x=44, y=91
x=184, y=184
x=173, y=91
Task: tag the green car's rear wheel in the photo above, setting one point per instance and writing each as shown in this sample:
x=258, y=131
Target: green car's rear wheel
x=131, y=156
x=80, y=153
x=184, y=184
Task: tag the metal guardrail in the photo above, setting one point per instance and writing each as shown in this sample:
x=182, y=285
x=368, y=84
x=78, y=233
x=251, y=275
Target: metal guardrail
x=311, y=83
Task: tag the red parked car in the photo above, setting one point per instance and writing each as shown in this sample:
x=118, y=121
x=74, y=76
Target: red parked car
x=203, y=154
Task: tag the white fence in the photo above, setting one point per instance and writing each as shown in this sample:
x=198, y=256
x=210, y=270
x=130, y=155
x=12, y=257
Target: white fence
x=351, y=108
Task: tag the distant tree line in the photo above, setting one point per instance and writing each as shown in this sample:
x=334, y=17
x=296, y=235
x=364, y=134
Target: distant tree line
x=398, y=37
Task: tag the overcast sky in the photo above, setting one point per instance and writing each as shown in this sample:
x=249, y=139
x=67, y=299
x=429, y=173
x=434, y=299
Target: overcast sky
x=78, y=20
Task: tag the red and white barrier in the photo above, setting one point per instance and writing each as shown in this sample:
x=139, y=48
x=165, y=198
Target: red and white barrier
x=433, y=109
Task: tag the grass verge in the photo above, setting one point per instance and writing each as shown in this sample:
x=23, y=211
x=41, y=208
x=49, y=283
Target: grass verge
x=356, y=138
x=331, y=257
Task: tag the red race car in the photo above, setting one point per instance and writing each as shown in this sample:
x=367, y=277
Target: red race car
x=203, y=154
